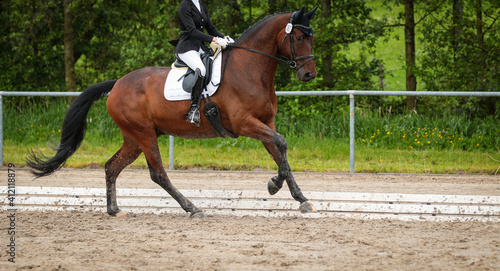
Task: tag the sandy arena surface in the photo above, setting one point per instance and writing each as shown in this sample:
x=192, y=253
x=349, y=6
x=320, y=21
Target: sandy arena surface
x=96, y=241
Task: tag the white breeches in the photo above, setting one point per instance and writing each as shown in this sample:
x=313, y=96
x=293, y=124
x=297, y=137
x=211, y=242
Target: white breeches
x=193, y=60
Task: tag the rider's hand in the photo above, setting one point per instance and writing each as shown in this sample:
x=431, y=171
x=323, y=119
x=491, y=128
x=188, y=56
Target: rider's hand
x=222, y=42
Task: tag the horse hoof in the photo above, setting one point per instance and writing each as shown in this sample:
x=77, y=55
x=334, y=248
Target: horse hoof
x=307, y=207
x=121, y=214
x=199, y=214
x=272, y=188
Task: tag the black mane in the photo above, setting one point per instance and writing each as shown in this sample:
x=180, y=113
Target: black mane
x=251, y=30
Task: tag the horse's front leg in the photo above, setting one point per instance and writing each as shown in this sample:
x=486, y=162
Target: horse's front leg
x=277, y=146
x=278, y=150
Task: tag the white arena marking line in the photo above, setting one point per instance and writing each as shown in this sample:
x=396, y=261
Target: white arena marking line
x=410, y=207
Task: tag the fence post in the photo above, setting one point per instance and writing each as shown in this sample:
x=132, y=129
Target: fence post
x=171, y=153
x=1, y=130
x=351, y=131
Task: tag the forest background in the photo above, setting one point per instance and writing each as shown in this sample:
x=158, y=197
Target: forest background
x=68, y=45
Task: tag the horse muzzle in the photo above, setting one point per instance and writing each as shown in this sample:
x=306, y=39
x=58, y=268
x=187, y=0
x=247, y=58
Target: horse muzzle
x=306, y=76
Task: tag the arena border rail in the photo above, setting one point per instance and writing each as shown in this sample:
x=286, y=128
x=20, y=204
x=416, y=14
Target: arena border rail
x=365, y=205
x=350, y=93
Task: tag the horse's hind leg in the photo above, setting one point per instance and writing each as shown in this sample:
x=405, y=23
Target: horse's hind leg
x=159, y=176
x=127, y=154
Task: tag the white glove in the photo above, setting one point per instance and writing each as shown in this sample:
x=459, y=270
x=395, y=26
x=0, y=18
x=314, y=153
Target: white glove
x=222, y=42
x=229, y=39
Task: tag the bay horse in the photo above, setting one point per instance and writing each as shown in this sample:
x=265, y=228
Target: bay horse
x=246, y=99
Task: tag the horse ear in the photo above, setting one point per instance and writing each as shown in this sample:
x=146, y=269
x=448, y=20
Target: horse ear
x=310, y=14
x=301, y=20
x=298, y=15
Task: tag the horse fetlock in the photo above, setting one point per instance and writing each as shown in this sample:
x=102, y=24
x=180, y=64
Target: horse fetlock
x=284, y=169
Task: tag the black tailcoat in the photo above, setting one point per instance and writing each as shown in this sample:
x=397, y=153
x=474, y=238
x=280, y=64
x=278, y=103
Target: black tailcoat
x=192, y=22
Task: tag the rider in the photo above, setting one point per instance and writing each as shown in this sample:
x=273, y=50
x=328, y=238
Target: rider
x=193, y=19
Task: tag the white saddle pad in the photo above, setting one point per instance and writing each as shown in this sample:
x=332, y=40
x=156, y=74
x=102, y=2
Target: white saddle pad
x=173, y=90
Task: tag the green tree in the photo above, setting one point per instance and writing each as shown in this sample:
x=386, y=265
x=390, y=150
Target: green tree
x=341, y=24
x=415, y=12
x=109, y=39
x=411, y=79
x=31, y=45
x=461, y=53
x=69, y=56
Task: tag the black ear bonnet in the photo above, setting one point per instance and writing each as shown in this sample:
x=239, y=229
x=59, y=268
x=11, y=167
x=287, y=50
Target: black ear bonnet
x=301, y=20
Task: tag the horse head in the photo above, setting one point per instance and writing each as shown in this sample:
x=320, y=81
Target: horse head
x=296, y=42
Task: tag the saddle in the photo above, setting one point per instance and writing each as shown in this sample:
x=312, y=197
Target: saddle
x=190, y=78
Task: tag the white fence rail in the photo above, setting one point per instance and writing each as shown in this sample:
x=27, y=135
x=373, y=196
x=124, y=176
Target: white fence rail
x=350, y=93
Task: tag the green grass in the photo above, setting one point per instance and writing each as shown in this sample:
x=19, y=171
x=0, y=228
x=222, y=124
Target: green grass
x=311, y=156
x=420, y=132
x=406, y=143
x=425, y=161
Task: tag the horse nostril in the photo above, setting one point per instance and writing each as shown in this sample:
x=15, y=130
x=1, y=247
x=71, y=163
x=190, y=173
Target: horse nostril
x=308, y=76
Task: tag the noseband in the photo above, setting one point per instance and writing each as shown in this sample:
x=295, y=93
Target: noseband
x=292, y=61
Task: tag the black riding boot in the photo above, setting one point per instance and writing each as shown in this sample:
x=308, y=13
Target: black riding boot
x=193, y=116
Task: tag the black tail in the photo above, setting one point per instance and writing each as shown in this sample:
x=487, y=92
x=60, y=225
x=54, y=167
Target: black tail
x=73, y=131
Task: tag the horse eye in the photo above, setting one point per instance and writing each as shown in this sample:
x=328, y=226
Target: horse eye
x=299, y=39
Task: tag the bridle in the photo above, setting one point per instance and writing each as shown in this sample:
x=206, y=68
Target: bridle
x=292, y=61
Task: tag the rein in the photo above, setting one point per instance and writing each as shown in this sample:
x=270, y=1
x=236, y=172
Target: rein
x=292, y=62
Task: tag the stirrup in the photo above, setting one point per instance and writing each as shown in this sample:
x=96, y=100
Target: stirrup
x=193, y=116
